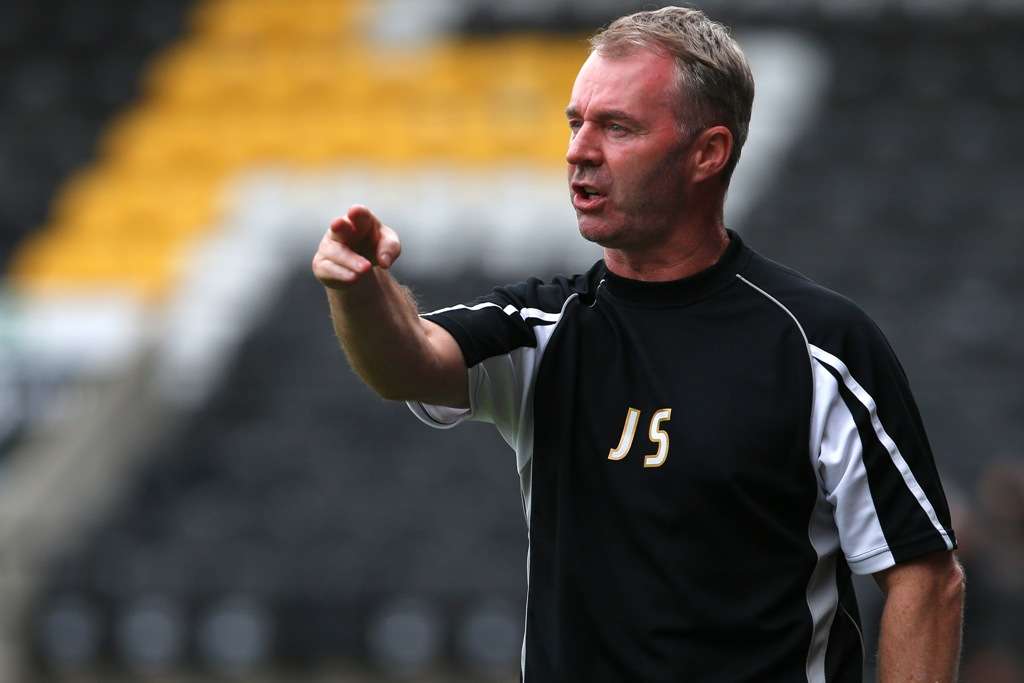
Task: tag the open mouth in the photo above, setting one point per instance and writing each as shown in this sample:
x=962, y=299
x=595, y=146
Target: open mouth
x=587, y=199
x=586, y=191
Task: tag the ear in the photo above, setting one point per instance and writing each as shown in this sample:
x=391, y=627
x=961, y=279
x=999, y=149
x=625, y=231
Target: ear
x=710, y=152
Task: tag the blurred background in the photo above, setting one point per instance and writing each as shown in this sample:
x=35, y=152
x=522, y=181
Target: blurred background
x=194, y=487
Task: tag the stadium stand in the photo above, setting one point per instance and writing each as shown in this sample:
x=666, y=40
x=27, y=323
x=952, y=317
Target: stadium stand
x=299, y=490
x=292, y=518
x=293, y=84
x=66, y=68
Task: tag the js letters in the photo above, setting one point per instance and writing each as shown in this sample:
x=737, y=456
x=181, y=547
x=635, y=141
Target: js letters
x=654, y=432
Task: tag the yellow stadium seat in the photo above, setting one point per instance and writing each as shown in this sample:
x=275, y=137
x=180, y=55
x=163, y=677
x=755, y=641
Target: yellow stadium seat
x=288, y=82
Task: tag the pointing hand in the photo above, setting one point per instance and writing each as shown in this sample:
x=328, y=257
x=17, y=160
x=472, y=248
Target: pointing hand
x=352, y=246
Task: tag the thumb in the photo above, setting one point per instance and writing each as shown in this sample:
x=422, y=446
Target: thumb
x=389, y=247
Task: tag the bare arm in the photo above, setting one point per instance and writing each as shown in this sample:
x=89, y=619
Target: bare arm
x=922, y=620
x=398, y=354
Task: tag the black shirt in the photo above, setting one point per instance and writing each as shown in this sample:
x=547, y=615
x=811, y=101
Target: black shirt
x=703, y=463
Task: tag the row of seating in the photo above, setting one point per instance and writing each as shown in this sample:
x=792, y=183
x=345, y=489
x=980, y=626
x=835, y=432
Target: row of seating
x=236, y=637
x=67, y=27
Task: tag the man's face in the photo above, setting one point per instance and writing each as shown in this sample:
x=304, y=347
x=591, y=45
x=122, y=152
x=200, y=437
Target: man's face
x=626, y=152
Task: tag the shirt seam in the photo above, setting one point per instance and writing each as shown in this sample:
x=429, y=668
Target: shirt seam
x=896, y=546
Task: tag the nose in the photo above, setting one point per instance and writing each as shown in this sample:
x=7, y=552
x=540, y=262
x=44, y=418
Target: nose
x=584, y=147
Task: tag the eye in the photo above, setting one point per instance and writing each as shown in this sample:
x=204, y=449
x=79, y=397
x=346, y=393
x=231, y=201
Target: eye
x=617, y=129
x=574, y=125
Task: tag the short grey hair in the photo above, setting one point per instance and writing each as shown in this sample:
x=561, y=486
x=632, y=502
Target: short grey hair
x=714, y=80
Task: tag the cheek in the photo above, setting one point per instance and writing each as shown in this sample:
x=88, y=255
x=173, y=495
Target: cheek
x=657, y=178
x=631, y=172
x=630, y=184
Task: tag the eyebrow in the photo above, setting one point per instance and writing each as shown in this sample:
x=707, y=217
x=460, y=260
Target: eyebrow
x=603, y=115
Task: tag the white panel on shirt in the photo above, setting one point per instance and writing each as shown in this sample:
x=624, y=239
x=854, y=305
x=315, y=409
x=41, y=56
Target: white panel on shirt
x=844, y=479
x=501, y=392
x=842, y=472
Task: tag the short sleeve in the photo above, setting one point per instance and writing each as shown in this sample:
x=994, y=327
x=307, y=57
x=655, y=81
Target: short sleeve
x=503, y=336
x=874, y=462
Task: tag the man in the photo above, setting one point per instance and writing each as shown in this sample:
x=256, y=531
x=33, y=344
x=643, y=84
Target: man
x=708, y=443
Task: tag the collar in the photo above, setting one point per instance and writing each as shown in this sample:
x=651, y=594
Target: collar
x=686, y=290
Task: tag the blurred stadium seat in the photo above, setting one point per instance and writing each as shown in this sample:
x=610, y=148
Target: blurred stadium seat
x=60, y=81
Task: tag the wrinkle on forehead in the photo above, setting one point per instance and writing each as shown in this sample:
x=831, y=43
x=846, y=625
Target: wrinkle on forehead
x=637, y=82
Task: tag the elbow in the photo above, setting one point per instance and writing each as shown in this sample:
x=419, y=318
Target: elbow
x=387, y=390
x=955, y=584
x=934, y=579
x=391, y=393
x=406, y=388
x=946, y=589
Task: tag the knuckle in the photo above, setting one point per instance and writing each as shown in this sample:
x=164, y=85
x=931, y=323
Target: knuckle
x=337, y=252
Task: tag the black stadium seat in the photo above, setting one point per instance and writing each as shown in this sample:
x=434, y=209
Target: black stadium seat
x=65, y=68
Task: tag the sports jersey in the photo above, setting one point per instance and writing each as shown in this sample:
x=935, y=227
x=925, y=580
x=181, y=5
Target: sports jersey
x=703, y=463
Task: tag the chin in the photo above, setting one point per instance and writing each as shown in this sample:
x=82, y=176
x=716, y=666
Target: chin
x=594, y=230
x=598, y=232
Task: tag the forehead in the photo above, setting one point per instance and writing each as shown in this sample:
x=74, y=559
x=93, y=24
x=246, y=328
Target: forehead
x=634, y=82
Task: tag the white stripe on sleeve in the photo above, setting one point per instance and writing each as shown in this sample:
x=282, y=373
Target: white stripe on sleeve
x=890, y=446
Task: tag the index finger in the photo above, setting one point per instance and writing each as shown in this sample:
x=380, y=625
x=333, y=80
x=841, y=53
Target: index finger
x=342, y=229
x=363, y=219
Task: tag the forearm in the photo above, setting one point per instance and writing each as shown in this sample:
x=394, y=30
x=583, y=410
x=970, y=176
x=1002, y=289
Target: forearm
x=376, y=322
x=920, y=633
x=398, y=354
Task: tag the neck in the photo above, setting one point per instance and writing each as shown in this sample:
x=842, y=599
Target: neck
x=689, y=250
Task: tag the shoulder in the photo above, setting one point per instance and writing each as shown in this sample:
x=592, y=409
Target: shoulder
x=828, y=319
x=552, y=294
x=505, y=319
